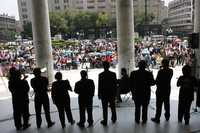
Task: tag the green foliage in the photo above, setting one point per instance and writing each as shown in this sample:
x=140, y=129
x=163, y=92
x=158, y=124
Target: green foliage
x=7, y=35
x=58, y=23
x=139, y=18
x=102, y=19
x=137, y=40
x=63, y=43
x=27, y=33
x=72, y=21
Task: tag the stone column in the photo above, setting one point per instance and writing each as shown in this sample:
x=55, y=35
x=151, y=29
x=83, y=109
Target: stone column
x=41, y=36
x=197, y=30
x=125, y=35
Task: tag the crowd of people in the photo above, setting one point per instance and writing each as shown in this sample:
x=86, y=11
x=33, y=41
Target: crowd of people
x=90, y=54
x=139, y=83
x=178, y=53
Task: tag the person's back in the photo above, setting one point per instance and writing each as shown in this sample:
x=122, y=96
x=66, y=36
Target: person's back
x=60, y=90
x=85, y=88
x=40, y=85
x=163, y=80
x=19, y=89
x=107, y=83
x=141, y=81
x=107, y=90
x=186, y=82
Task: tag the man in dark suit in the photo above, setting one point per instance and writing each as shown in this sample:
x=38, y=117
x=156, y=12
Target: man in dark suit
x=19, y=89
x=141, y=81
x=40, y=87
x=85, y=89
x=61, y=98
x=107, y=92
x=163, y=83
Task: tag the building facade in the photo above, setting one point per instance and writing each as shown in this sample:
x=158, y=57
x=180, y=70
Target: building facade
x=180, y=16
x=7, y=22
x=154, y=6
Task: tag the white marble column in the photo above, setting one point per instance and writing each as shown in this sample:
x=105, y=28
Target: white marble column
x=197, y=30
x=125, y=35
x=41, y=36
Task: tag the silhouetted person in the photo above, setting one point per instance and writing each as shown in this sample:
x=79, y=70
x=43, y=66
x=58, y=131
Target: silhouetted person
x=163, y=83
x=198, y=95
x=61, y=99
x=141, y=82
x=107, y=86
x=186, y=82
x=85, y=89
x=40, y=87
x=19, y=89
x=123, y=84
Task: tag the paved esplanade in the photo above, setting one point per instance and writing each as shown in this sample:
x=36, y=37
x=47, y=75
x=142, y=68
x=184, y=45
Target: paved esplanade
x=42, y=36
x=197, y=30
x=125, y=123
x=125, y=32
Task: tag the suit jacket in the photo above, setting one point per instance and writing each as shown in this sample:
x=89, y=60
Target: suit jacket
x=163, y=82
x=187, y=85
x=85, y=88
x=40, y=86
x=141, y=82
x=107, y=85
x=59, y=91
x=19, y=89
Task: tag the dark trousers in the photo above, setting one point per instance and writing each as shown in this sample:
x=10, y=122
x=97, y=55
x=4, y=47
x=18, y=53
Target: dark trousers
x=138, y=106
x=105, y=103
x=39, y=102
x=20, y=110
x=184, y=110
x=159, y=102
x=85, y=104
x=62, y=109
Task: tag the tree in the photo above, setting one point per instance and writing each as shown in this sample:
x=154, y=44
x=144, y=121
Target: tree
x=58, y=23
x=7, y=35
x=102, y=19
x=139, y=18
x=27, y=30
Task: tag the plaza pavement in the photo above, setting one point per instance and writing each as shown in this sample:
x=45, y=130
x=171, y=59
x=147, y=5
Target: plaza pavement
x=125, y=112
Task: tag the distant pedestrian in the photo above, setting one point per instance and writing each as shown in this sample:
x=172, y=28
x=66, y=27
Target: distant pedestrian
x=163, y=83
x=187, y=83
x=107, y=87
x=85, y=89
x=19, y=89
x=61, y=99
x=141, y=82
x=40, y=87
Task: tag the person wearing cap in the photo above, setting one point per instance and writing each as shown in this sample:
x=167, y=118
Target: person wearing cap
x=141, y=81
x=163, y=83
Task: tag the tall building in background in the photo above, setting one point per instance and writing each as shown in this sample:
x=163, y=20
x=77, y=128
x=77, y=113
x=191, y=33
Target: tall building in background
x=7, y=27
x=7, y=23
x=156, y=7
x=181, y=16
